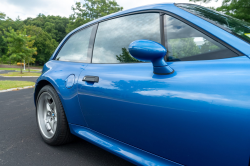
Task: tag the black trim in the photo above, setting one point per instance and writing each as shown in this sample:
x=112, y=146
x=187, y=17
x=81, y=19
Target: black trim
x=217, y=54
x=183, y=20
x=88, y=60
x=92, y=42
x=162, y=12
x=206, y=33
x=165, y=36
x=162, y=29
x=132, y=13
x=91, y=79
x=164, y=73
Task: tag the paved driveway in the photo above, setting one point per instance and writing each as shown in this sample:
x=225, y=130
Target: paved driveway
x=32, y=79
x=21, y=144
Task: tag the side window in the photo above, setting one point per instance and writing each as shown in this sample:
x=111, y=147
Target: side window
x=184, y=43
x=76, y=47
x=114, y=36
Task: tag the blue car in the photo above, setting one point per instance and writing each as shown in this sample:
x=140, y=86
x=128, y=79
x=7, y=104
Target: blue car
x=164, y=84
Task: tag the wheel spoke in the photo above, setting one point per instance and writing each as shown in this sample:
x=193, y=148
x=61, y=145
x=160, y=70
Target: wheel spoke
x=50, y=104
x=47, y=114
x=52, y=132
x=48, y=126
x=52, y=124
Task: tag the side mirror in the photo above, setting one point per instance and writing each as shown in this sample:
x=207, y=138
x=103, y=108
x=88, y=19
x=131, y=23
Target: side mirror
x=147, y=50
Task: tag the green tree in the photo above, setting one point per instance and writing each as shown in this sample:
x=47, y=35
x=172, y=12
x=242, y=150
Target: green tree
x=19, y=45
x=50, y=28
x=4, y=24
x=90, y=10
x=44, y=43
x=126, y=57
x=3, y=48
x=29, y=55
x=236, y=8
x=183, y=47
x=54, y=25
x=208, y=46
x=2, y=16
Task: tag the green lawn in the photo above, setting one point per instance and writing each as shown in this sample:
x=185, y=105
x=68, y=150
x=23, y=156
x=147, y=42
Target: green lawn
x=14, y=84
x=18, y=69
x=20, y=75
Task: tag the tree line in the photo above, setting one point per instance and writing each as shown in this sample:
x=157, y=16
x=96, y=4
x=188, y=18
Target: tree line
x=35, y=39
x=236, y=8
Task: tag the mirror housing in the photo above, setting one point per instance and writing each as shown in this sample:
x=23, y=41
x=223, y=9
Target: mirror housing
x=147, y=50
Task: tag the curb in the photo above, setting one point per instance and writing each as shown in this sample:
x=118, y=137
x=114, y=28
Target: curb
x=16, y=89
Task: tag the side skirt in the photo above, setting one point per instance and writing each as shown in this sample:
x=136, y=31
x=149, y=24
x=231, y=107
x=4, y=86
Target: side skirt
x=125, y=151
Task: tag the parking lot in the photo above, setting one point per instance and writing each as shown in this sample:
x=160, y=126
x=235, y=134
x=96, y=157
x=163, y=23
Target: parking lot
x=21, y=143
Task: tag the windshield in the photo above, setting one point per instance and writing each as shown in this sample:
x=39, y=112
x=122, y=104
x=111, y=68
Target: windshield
x=235, y=26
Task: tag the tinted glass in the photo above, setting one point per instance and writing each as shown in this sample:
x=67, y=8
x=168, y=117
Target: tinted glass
x=76, y=47
x=114, y=36
x=237, y=27
x=186, y=43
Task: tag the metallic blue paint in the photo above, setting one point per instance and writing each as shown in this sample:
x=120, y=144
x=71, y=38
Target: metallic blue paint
x=132, y=154
x=56, y=72
x=147, y=50
x=199, y=115
x=69, y=82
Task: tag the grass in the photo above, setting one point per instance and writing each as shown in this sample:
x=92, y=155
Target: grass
x=14, y=84
x=20, y=75
x=18, y=69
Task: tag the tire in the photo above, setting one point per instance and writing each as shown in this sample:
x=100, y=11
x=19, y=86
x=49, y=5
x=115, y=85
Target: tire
x=51, y=118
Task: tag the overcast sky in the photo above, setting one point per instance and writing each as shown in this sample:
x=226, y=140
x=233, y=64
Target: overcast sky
x=31, y=8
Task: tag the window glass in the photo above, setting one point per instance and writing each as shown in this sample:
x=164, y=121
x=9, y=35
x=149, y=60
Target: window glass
x=114, y=36
x=76, y=47
x=235, y=26
x=183, y=42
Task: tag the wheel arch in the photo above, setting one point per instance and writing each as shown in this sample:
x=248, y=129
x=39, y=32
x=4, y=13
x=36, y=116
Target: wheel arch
x=39, y=85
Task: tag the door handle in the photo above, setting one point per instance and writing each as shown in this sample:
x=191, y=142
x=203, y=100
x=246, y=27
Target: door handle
x=91, y=79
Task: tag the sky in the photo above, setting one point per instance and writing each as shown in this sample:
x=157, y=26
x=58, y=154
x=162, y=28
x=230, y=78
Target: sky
x=31, y=8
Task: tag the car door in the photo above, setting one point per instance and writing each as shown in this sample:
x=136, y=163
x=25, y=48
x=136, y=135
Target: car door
x=195, y=116
x=65, y=69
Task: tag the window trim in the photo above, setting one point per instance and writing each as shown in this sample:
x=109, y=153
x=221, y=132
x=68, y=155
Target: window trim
x=161, y=12
x=205, y=33
x=129, y=14
x=92, y=41
x=89, y=58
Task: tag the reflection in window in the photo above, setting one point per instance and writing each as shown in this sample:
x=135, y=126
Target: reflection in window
x=186, y=43
x=114, y=36
x=76, y=47
x=126, y=57
x=235, y=26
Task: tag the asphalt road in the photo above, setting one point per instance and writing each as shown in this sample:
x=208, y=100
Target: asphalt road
x=32, y=79
x=21, y=143
x=6, y=71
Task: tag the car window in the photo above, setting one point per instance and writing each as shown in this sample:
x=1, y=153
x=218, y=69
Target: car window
x=76, y=47
x=184, y=43
x=114, y=36
x=239, y=28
